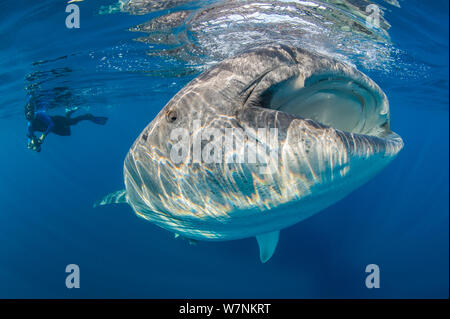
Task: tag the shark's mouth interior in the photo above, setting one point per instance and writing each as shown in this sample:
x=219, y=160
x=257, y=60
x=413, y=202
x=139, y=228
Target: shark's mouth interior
x=336, y=101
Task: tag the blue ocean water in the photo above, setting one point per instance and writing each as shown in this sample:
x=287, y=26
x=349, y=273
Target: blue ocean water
x=399, y=220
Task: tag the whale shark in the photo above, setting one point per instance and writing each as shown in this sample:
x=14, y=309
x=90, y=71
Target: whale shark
x=332, y=135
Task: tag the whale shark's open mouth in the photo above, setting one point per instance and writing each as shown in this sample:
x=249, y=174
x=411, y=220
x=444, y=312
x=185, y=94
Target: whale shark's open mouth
x=339, y=101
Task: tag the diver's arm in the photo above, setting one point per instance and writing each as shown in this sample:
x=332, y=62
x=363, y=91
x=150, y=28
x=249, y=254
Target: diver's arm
x=30, y=130
x=42, y=116
x=30, y=134
x=32, y=140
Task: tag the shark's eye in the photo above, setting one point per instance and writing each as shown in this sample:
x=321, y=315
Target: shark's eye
x=172, y=116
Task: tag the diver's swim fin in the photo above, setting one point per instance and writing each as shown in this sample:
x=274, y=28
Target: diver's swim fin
x=267, y=244
x=117, y=197
x=101, y=120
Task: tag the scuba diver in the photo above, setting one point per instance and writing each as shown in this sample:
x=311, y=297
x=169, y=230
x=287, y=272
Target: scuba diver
x=40, y=121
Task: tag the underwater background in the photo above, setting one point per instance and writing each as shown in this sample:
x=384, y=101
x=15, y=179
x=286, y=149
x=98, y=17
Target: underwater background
x=124, y=62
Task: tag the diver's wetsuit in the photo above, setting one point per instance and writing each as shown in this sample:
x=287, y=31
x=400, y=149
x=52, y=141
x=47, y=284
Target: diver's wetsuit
x=59, y=125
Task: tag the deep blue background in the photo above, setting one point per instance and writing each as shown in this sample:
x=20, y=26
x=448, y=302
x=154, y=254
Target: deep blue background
x=399, y=220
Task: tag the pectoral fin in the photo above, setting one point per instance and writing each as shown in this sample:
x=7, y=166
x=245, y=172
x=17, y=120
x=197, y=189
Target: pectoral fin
x=117, y=197
x=267, y=245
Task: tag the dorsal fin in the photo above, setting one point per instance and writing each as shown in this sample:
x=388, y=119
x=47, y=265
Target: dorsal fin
x=117, y=197
x=267, y=244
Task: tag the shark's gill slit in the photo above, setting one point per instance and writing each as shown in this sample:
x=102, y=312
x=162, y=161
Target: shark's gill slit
x=337, y=101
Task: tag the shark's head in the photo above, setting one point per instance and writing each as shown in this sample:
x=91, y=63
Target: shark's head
x=332, y=135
